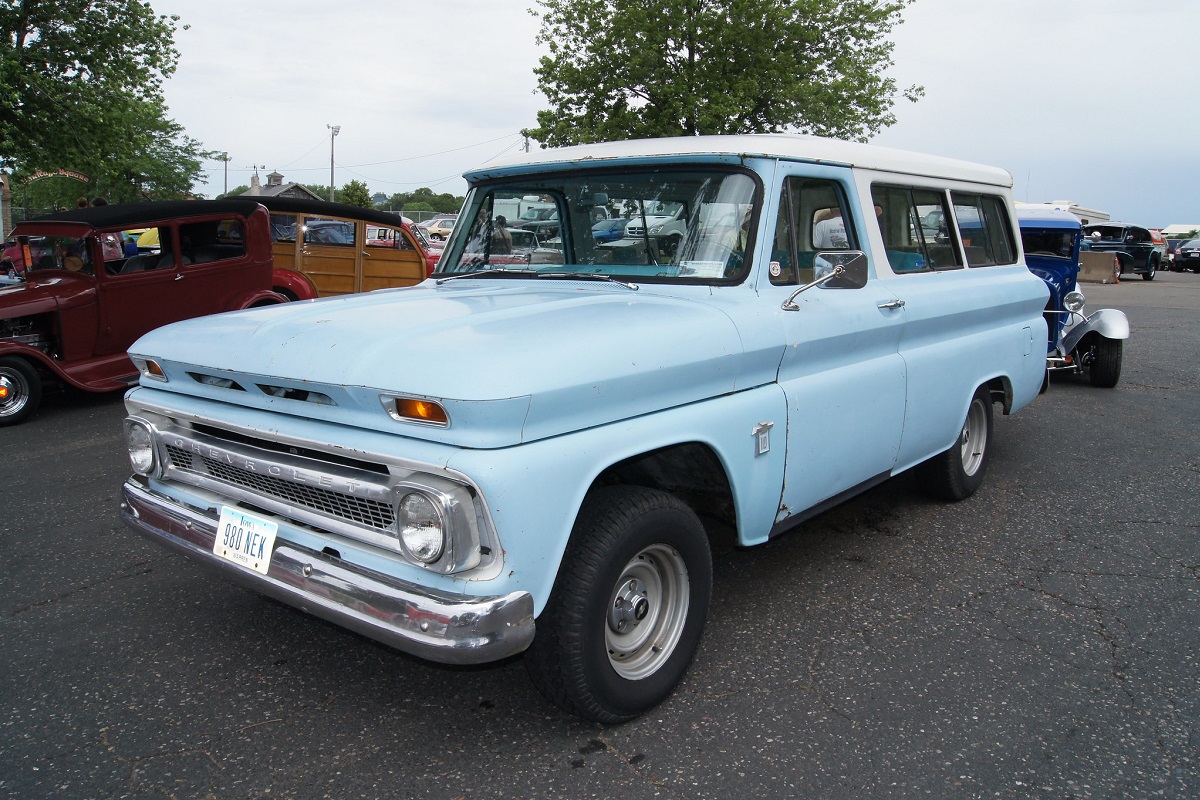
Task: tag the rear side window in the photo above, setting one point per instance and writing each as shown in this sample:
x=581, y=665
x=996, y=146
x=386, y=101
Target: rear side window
x=983, y=226
x=915, y=225
x=211, y=240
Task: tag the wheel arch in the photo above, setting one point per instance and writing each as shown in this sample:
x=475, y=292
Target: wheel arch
x=691, y=470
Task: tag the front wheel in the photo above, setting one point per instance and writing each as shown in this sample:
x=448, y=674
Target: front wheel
x=20, y=390
x=956, y=473
x=628, y=607
x=1104, y=362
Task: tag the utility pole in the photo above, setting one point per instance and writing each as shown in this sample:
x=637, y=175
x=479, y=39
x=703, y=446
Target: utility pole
x=336, y=129
x=225, y=158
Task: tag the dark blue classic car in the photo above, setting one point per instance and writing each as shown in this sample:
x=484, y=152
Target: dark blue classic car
x=1076, y=342
x=1140, y=251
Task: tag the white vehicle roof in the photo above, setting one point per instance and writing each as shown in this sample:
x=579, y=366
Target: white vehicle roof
x=798, y=147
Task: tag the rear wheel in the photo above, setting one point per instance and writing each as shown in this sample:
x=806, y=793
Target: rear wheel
x=956, y=473
x=20, y=390
x=628, y=607
x=1151, y=268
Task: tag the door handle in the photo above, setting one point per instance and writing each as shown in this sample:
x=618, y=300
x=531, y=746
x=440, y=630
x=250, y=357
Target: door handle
x=892, y=304
x=179, y=276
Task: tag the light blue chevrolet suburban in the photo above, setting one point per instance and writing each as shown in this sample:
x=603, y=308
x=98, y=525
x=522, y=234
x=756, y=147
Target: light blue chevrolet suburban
x=515, y=455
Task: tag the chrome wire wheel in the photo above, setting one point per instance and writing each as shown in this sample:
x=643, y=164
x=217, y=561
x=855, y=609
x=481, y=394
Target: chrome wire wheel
x=647, y=612
x=14, y=391
x=973, y=439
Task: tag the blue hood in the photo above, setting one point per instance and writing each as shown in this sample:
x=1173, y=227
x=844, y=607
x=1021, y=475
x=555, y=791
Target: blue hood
x=510, y=362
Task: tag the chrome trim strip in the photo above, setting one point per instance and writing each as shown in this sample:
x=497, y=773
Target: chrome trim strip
x=438, y=626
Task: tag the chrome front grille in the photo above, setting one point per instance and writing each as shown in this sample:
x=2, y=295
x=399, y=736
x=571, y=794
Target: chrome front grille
x=337, y=497
x=358, y=510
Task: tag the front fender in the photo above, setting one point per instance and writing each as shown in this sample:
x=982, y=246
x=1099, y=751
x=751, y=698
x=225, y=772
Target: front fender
x=1107, y=322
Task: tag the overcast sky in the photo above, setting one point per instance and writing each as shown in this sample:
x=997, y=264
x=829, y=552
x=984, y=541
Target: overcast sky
x=1078, y=99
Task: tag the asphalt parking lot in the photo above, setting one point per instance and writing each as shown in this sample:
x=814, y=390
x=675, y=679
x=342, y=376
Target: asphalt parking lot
x=1041, y=639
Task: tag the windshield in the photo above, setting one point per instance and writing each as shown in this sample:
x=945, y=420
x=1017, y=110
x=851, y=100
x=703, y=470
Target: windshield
x=1056, y=243
x=681, y=226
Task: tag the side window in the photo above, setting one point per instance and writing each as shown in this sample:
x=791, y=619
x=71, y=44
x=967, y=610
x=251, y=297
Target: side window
x=984, y=229
x=147, y=252
x=914, y=224
x=283, y=228
x=211, y=240
x=331, y=232
x=387, y=237
x=811, y=218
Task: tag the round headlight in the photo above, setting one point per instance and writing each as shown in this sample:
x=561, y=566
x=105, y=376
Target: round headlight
x=140, y=442
x=1073, y=302
x=421, y=528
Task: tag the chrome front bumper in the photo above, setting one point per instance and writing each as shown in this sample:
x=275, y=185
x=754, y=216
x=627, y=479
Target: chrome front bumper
x=438, y=626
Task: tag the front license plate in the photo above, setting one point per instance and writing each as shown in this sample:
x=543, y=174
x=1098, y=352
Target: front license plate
x=245, y=539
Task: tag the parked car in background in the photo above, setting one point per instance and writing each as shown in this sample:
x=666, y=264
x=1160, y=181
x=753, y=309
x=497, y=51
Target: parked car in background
x=1172, y=246
x=439, y=228
x=344, y=249
x=76, y=304
x=1091, y=344
x=1141, y=252
x=1187, y=256
x=610, y=230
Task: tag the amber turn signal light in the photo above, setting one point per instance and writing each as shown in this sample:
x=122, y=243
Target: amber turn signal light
x=420, y=411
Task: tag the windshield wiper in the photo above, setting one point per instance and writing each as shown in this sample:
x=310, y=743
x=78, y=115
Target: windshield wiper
x=588, y=276
x=491, y=271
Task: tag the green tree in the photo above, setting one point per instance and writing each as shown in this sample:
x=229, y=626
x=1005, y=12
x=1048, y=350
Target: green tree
x=81, y=89
x=234, y=192
x=355, y=193
x=616, y=71
x=321, y=191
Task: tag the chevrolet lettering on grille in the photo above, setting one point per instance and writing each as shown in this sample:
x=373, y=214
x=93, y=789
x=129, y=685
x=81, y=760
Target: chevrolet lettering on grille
x=272, y=469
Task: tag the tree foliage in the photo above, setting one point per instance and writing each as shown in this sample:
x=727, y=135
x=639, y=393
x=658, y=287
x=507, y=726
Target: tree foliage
x=355, y=193
x=620, y=69
x=424, y=199
x=81, y=89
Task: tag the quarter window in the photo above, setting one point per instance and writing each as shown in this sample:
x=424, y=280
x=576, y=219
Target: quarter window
x=211, y=240
x=984, y=229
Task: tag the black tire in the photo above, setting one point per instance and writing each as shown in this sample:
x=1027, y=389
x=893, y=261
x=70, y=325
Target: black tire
x=1151, y=268
x=1104, y=369
x=22, y=390
x=957, y=472
x=628, y=607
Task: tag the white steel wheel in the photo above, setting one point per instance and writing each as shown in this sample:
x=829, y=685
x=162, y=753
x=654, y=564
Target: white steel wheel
x=973, y=439
x=628, y=606
x=647, y=612
x=955, y=473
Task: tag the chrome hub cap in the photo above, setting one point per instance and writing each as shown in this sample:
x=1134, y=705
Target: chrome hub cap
x=13, y=393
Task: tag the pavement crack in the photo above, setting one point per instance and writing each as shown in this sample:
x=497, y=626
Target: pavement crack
x=144, y=568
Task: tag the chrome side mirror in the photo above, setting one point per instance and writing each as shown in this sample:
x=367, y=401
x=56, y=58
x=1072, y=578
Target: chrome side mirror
x=842, y=269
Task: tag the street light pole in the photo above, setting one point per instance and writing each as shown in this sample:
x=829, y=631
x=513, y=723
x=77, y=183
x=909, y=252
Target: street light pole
x=336, y=129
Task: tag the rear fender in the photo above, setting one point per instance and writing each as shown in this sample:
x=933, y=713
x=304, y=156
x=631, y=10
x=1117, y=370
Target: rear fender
x=289, y=282
x=262, y=297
